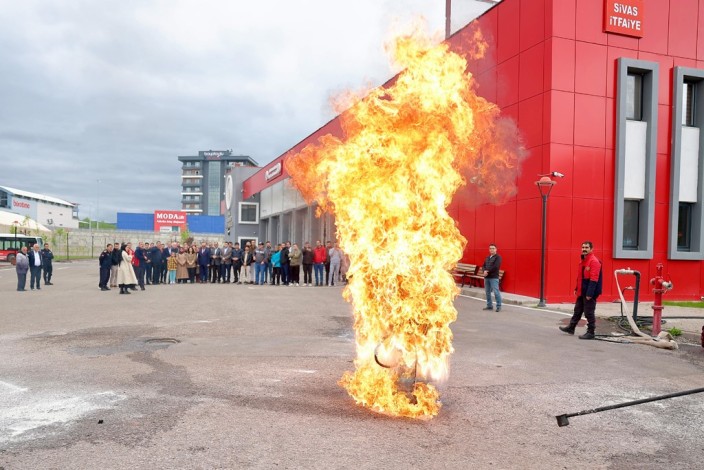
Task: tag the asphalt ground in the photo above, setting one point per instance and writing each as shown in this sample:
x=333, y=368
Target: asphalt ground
x=235, y=376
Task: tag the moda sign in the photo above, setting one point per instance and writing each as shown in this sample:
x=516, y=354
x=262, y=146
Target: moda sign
x=166, y=219
x=624, y=17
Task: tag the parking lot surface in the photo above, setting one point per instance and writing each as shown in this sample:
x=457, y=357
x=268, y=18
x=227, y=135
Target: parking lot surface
x=238, y=376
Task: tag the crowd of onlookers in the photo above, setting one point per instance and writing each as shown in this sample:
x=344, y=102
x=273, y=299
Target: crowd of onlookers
x=38, y=263
x=263, y=263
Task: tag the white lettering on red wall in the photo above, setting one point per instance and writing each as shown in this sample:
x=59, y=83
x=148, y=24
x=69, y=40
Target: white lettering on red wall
x=273, y=172
x=624, y=17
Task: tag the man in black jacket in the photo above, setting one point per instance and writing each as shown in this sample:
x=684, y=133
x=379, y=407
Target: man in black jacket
x=116, y=258
x=156, y=258
x=490, y=271
x=285, y=263
x=141, y=264
x=105, y=261
x=35, y=267
x=47, y=257
x=237, y=255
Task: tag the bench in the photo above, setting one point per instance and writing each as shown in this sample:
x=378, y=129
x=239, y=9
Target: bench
x=464, y=271
x=479, y=280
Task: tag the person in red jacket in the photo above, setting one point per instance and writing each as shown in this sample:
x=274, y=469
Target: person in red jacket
x=587, y=289
x=319, y=256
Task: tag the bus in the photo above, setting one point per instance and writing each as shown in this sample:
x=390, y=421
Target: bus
x=11, y=243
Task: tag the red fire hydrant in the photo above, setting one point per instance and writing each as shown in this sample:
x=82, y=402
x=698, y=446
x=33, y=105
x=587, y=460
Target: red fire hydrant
x=660, y=286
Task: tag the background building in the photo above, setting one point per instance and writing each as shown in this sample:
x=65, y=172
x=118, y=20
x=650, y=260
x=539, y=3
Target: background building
x=202, y=180
x=48, y=211
x=607, y=94
x=170, y=222
x=242, y=216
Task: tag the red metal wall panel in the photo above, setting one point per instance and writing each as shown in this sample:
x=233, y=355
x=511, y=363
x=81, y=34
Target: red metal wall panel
x=590, y=68
x=656, y=31
x=700, y=32
x=590, y=21
x=562, y=117
x=531, y=70
x=560, y=275
x=508, y=42
x=563, y=60
x=589, y=120
x=560, y=219
x=507, y=82
x=530, y=120
x=505, y=236
x=589, y=172
x=531, y=23
x=563, y=18
x=528, y=219
x=682, y=31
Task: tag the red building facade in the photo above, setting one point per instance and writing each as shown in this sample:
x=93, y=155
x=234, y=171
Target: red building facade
x=616, y=114
x=553, y=69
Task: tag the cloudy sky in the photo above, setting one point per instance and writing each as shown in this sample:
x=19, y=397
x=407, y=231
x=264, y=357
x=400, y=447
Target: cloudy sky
x=114, y=90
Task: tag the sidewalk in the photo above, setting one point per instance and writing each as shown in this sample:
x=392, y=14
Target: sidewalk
x=689, y=320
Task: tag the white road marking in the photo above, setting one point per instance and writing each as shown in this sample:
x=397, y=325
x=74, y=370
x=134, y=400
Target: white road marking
x=305, y=371
x=520, y=306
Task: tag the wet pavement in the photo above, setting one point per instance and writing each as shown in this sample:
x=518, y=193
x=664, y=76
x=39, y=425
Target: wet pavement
x=235, y=376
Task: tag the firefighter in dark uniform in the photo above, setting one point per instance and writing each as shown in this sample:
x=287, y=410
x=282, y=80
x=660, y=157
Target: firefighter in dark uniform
x=47, y=257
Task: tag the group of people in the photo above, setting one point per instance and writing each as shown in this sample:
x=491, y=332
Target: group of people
x=262, y=263
x=36, y=262
x=587, y=289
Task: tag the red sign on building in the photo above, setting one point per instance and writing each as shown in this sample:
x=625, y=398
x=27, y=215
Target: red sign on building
x=624, y=17
x=168, y=219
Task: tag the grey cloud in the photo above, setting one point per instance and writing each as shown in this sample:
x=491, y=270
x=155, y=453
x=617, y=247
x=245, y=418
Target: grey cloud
x=116, y=90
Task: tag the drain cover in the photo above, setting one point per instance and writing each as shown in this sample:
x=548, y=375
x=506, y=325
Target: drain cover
x=162, y=341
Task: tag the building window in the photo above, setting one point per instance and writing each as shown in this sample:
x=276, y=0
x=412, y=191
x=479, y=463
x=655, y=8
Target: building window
x=688, y=103
x=636, y=154
x=214, y=190
x=249, y=213
x=631, y=223
x=684, y=226
x=634, y=97
x=4, y=202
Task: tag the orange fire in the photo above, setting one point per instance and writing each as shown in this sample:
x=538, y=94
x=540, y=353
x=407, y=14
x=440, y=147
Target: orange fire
x=388, y=183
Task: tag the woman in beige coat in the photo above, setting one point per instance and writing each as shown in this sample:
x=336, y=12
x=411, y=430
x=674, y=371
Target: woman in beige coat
x=182, y=268
x=126, y=279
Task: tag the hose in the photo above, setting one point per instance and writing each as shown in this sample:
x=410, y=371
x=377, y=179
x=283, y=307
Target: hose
x=663, y=340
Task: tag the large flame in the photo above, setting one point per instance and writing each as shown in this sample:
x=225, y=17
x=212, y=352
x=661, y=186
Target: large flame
x=389, y=182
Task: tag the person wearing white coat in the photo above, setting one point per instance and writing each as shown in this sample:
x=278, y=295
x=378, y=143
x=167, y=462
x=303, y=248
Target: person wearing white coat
x=126, y=279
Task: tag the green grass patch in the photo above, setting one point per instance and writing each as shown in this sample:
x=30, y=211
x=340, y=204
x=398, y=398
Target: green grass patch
x=73, y=258
x=699, y=304
x=675, y=331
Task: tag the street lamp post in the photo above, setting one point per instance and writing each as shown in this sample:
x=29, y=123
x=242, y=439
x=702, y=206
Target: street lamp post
x=544, y=185
x=97, y=208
